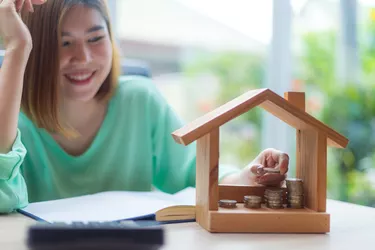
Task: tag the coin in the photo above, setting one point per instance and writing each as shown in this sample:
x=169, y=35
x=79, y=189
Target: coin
x=274, y=206
x=253, y=198
x=228, y=203
x=272, y=170
x=261, y=170
x=252, y=205
x=252, y=201
x=274, y=198
x=295, y=193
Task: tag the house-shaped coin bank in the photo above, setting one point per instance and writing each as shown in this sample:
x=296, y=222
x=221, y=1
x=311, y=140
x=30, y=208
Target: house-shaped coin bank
x=312, y=139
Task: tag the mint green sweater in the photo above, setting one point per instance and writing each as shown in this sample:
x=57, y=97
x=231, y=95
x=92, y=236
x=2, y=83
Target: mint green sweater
x=133, y=150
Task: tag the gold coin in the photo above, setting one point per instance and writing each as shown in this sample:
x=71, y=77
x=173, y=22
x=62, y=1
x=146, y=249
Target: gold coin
x=228, y=203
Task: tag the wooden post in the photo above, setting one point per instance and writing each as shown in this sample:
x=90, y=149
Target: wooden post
x=298, y=100
x=207, y=175
x=311, y=159
x=313, y=168
x=322, y=172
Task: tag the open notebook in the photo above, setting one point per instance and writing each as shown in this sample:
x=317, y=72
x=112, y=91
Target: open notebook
x=116, y=206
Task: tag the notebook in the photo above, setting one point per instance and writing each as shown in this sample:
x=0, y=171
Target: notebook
x=116, y=206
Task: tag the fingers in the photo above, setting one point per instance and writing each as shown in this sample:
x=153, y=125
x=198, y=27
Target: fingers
x=29, y=6
x=256, y=169
x=274, y=158
x=19, y=5
x=264, y=165
x=271, y=179
x=38, y=2
x=283, y=163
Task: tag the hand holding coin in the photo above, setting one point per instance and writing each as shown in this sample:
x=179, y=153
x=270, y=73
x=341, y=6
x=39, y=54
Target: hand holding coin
x=269, y=168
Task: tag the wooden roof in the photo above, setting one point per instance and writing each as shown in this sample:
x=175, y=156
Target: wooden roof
x=269, y=101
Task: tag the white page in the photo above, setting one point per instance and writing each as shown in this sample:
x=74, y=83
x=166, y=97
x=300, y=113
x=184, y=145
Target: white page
x=185, y=197
x=107, y=206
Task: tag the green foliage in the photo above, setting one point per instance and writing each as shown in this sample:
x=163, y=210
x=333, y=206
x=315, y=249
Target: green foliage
x=237, y=73
x=348, y=108
x=318, y=59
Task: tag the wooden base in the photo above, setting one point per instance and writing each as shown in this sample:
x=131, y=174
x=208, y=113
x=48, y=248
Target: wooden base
x=266, y=220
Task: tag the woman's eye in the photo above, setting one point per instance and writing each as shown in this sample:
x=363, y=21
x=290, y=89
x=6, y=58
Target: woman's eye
x=65, y=44
x=96, y=39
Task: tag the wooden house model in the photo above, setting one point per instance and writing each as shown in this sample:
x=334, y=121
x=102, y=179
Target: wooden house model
x=312, y=139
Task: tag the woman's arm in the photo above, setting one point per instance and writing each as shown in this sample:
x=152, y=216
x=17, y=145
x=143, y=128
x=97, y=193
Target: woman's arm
x=11, y=84
x=18, y=44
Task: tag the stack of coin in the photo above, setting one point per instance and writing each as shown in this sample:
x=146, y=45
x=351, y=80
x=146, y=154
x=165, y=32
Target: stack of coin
x=252, y=201
x=228, y=203
x=295, y=193
x=274, y=198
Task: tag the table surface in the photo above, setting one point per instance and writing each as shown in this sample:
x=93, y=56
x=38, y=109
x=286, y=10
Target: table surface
x=352, y=226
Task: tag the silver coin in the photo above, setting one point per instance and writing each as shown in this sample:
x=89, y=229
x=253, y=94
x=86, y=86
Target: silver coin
x=253, y=205
x=228, y=203
x=272, y=170
x=252, y=198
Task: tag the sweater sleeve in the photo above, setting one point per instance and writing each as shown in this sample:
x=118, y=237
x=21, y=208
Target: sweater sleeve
x=174, y=165
x=13, y=191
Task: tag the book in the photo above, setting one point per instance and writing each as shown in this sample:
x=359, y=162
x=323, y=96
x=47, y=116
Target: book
x=112, y=206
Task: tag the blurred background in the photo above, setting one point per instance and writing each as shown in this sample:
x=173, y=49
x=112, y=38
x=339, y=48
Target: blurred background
x=203, y=53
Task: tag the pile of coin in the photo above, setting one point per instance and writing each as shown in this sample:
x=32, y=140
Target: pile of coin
x=252, y=201
x=228, y=203
x=274, y=198
x=295, y=193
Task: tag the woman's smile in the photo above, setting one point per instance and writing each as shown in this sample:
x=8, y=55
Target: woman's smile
x=80, y=78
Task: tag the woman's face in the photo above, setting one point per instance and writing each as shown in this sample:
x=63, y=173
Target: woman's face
x=86, y=53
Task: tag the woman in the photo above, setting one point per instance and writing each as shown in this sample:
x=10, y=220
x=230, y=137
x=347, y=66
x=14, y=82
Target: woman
x=82, y=128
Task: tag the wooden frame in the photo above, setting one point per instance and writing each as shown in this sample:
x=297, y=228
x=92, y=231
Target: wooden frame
x=312, y=139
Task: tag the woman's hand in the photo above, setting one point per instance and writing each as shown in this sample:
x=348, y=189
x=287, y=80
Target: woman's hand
x=12, y=30
x=269, y=168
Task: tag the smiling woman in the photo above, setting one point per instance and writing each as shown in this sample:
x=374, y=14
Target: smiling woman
x=88, y=62
x=121, y=125
x=86, y=58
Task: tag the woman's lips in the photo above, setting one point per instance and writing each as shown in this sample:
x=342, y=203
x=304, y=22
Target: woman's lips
x=80, y=78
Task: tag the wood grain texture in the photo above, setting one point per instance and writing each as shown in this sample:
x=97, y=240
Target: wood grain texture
x=313, y=137
x=322, y=172
x=207, y=176
x=312, y=167
x=297, y=99
x=308, y=169
x=299, y=119
x=218, y=117
x=266, y=220
x=269, y=101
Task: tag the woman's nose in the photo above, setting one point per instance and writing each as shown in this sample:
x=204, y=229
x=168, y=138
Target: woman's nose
x=81, y=54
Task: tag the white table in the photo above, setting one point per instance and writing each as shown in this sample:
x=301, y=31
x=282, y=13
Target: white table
x=352, y=227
